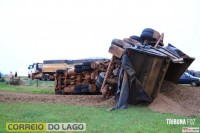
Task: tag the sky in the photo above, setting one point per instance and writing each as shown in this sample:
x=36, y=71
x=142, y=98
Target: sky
x=36, y=30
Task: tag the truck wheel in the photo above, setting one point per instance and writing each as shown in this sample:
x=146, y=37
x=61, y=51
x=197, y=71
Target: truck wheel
x=58, y=92
x=48, y=78
x=117, y=42
x=98, y=85
x=85, y=88
x=86, y=63
x=60, y=71
x=78, y=70
x=194, y=83
x=99, y=81
x=43, y=78
x=137, y=38
x=32, y=77
x=77, y=66
x=147, y=36
x=148, y=30
x=101, y=77
x=77, y=89
x=86, y=68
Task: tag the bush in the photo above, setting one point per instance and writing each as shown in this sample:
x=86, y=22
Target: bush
x=2, y=80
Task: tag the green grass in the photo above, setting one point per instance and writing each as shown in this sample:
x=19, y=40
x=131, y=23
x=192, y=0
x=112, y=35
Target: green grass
x=32, y=86
x=133, y=119
x=27, y=89
x=39, y=82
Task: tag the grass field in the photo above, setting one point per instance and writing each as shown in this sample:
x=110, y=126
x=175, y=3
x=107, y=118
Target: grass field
x=44, y=87
x=27, y=89
x=134, y=119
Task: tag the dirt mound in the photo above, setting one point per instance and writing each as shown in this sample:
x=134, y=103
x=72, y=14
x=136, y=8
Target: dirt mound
x=83, y=100
x=177, y=99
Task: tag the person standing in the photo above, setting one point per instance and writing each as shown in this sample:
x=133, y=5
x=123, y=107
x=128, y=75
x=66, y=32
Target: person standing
x=15, y=74
x=31, y=74
x=11, y=77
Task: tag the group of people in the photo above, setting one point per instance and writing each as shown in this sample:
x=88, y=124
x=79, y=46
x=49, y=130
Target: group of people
x=11, y=76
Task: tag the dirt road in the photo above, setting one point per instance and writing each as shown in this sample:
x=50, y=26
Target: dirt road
x=176, y=99
x=83, y=100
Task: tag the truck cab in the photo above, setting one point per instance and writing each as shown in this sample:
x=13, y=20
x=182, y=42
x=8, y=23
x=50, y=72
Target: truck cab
x=34, y=69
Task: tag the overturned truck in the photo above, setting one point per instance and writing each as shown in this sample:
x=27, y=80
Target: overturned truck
x=135, y=72
x=81, y=78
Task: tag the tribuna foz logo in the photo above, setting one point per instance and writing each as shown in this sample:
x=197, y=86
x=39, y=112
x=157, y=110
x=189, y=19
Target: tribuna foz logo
x=180, y=121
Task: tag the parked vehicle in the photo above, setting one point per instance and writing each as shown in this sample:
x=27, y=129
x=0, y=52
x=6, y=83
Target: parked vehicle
x=187, y=78
x=44, y=71
x=34, y=69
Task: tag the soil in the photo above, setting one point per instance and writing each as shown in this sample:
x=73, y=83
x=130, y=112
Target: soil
x=176, y=99
x=82, y=100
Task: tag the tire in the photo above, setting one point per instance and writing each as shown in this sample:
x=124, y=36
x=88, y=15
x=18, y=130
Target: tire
x=62, y=82
x=86, y=63
x=86, y=68
x=193, y=83
x=32, y=76
x=48, y=78
x=59, y=71
x=58, y=92
x=98, y=85
x=78, y=70
x=101, y=77
x=137, y=38
x=84, y=88
x=147, y=36
x=117, y=43
x=77, y=89
x=148, y=30
x=150, y=34
x=43, y=78
x=77, y=66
